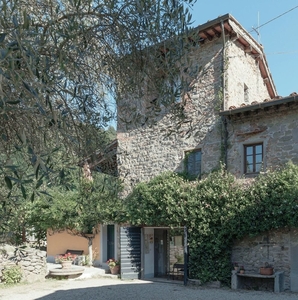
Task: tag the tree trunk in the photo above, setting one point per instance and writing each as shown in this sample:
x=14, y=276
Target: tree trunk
x=90, y=240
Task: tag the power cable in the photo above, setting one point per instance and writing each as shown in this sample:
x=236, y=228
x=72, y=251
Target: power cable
x=255, y=29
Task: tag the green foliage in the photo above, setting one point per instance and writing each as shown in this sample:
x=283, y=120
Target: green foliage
x=217, y=210
x=12, y=275
x=64, y=67
x=81, y=208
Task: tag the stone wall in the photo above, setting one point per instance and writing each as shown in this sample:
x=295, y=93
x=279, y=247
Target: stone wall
x=276, y=128
x=243, y=73
x=273, y=247
x=31, y=261
x=156, y=141
x=146, y=150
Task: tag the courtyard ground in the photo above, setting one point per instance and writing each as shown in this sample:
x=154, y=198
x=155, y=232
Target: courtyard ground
x=113, y=289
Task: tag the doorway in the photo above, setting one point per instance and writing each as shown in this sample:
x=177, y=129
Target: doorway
x=110, y=241
x=160, y=252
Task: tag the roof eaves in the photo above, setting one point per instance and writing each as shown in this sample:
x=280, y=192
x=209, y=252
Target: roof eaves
x=260, y=105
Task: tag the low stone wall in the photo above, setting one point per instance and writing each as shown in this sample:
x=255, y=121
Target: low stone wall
x=31, y=261
x=273, y=247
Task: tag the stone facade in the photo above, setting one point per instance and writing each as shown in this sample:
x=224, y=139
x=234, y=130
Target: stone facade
x=276, y=128
x=157, y=142
x=273, y=247
x=232, y=73
x=31, y=261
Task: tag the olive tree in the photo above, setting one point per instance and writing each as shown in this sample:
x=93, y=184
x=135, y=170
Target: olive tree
x=64, y=66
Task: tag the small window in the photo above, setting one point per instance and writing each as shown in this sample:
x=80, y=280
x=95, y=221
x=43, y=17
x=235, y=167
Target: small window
x=253, y=155
x=246, y=95
x=193, y=163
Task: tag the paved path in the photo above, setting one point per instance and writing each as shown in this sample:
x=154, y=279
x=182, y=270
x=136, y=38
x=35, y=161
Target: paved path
x=114, y=289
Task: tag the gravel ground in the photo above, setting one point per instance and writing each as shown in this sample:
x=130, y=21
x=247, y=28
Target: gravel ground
x=113, y=289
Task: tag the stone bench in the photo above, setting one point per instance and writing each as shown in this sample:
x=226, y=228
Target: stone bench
x=74, y=252
x=238, y=280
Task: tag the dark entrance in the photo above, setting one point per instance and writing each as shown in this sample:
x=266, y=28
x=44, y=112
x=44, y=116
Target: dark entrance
x=160, y=252
x=110, y=241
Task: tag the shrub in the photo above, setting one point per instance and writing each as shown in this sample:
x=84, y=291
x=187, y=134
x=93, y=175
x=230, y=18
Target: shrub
x=12, y=275
x=217, y=211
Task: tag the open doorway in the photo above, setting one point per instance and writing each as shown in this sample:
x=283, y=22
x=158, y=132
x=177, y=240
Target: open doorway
x=108, y=242
x=160, y=252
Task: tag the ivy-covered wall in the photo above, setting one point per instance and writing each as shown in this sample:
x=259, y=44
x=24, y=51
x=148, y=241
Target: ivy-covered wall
x=217, y=210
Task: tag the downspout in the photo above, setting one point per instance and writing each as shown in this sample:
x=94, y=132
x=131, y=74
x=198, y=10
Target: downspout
x=225, y=134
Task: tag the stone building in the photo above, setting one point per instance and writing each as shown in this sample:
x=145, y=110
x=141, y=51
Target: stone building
x=231, y=72
x=232, y=114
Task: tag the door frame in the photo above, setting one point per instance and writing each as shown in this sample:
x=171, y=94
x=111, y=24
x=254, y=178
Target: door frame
x=103, y=243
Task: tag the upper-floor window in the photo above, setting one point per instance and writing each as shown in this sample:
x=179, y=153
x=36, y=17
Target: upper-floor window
x=246, y=93
x=253, y=158
x=193, y=163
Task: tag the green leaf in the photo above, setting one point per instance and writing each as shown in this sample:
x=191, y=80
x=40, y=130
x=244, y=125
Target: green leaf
x=8, y=182
x=23, y=192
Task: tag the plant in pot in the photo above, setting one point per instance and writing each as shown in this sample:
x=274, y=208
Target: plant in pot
x=242, y=270
x=266, y=269
x=114, y=266
x=65, y=260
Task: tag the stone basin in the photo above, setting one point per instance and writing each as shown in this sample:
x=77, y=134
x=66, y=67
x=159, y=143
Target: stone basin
x=66, y=271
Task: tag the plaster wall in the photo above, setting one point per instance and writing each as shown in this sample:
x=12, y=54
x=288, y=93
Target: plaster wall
x=59, y=242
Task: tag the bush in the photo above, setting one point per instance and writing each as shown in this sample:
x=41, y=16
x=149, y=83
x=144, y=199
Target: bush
x=12, y=275
x=217, y=211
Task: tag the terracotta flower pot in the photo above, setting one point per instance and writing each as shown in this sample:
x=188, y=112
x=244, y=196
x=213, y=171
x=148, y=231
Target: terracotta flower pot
x=266, y=271
x=115, y=270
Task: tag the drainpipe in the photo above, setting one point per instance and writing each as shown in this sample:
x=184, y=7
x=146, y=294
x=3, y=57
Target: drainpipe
x=223, y=118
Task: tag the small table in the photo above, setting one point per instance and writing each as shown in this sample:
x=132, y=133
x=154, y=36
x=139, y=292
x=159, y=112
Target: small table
x=238, y=279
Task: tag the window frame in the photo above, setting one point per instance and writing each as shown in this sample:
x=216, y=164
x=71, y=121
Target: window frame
x=186, y=168
x=254, y=156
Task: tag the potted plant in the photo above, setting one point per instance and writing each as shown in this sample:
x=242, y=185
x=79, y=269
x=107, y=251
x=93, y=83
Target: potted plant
x=242, y=270
x=266, y=269
x=114, y=266
x=236, y=266
x=65, y=260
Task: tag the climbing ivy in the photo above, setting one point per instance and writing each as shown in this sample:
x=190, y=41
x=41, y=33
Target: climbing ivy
x=217, y=211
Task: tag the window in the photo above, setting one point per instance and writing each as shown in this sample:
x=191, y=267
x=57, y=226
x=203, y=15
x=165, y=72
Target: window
x=193, y=163
x=246, y=95
x=253, y=155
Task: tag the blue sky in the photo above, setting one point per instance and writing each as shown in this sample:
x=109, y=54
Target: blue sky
x=279, y=37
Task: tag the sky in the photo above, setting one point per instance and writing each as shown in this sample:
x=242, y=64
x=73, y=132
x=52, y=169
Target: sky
x=279, y=37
